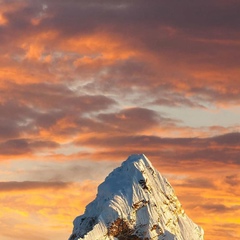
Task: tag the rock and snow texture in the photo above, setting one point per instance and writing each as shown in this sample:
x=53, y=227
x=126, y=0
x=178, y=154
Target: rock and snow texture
x=135, y=202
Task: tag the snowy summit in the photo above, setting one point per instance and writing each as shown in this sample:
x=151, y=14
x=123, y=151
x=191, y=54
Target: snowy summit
x=135, y=202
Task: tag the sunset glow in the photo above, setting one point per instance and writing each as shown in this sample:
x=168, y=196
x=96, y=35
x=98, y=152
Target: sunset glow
x=84, y=84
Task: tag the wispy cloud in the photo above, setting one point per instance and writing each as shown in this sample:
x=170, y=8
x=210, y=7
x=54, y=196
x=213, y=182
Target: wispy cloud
x=29, y=185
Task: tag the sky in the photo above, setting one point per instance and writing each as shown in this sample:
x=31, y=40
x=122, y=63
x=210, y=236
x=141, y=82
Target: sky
x=86, y=83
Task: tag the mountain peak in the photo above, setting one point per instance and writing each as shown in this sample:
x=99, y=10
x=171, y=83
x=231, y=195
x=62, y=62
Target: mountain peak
x=135, y=202
x=136, y=158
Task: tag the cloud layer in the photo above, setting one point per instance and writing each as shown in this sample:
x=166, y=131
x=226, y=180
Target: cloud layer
x=83, y=84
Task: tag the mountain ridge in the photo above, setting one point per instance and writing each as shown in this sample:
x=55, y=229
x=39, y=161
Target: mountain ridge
x=135, y=202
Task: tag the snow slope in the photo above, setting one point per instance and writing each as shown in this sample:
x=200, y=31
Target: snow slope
x=135, y=202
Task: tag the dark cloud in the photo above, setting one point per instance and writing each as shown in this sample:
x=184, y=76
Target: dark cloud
x=25, y=146
x=29, y=108
x=38, y=145
x=203, y=15
x=134, y=119
x=228, y=139
x=224, y=155
x=14, y=119
x=197, y=183
x=125, y=75
x=184, y=40
x=169, y=151
x=45, y=96
x=225, y=95
x=49, y=119
x=140, y=141
x=232, y=180
x=15, y=147
x=8, y=130
x=29, y=185
x=186, y=19
x=220, y=208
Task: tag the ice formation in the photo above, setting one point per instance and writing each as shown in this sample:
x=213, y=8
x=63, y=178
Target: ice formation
x=135, y=202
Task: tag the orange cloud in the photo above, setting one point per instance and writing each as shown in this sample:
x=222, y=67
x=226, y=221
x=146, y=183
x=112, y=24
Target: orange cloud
x=32, y=204
x=214, y=204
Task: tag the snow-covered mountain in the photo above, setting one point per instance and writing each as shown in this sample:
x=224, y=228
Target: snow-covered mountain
x=135, y=202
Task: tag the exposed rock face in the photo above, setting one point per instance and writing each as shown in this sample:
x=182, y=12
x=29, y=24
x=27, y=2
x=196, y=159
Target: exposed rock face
x=135, y=202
